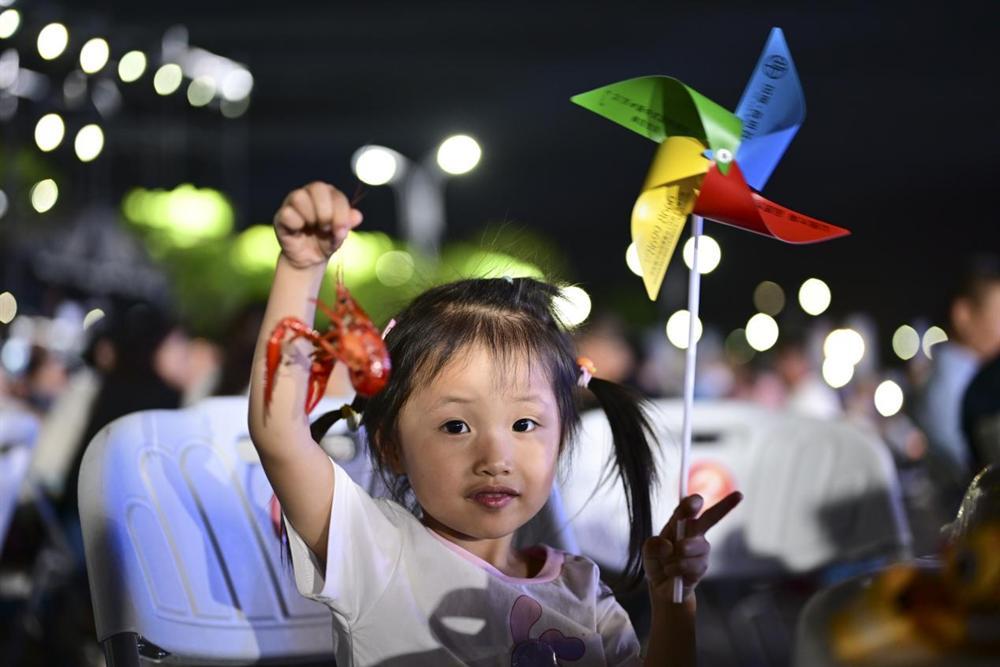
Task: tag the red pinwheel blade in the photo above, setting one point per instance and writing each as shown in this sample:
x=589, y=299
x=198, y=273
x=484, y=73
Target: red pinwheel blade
x=729, y=200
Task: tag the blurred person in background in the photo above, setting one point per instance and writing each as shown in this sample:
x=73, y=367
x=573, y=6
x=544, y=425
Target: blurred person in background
x=140, y=354
x=660, y=372
x=756, y=381
x=603, y=341
x=201, y=369
x=239, y=341
x=713, y=377
x=981, y=415
x=974, y=337
x=806, y=392
x=43, y=379
x=63, y=425
x=18, y=423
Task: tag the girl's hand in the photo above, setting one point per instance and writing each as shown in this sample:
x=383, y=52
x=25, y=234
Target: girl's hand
x=665, y=558
x=312, y=223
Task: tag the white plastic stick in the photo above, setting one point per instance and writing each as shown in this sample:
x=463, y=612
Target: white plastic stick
x=694, y=295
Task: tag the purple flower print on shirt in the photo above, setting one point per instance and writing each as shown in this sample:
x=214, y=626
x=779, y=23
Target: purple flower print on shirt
x=550, y=647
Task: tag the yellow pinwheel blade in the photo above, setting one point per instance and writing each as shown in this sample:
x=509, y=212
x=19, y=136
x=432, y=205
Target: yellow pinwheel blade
x=676, y=158
x=667, y=199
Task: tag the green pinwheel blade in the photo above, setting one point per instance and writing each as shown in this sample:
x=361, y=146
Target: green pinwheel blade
x=658, y=107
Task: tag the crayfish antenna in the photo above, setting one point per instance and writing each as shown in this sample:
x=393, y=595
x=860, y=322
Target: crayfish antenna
x=327, y=311
x=360, y=193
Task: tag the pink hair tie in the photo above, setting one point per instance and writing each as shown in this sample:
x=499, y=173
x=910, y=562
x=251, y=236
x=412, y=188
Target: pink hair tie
x=587, y=370
x=389, y=327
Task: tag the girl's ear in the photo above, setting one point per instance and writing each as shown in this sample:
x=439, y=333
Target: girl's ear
x=395, y=462
x=390, y=455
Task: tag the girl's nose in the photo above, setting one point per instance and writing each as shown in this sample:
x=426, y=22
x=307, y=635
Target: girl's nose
x=494, y=456
x=494, y=468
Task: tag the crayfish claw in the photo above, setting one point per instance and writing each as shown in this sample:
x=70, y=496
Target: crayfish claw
x=319, y=377
x=350, y=338
x=274, y=344
x=274, y=350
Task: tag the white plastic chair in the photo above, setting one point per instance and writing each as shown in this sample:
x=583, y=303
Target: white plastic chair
x=816, y=492
x=183, y=562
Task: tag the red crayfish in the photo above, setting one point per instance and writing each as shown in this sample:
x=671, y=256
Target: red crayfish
x=351, y=338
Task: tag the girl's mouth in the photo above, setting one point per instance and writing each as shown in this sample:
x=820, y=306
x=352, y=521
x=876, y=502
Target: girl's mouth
x=494, y=498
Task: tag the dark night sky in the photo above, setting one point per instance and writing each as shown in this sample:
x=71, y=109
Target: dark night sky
x=899, y=142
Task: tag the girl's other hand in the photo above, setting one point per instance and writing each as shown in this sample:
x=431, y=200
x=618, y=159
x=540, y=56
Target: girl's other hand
x=313, y=222
x=666, y=557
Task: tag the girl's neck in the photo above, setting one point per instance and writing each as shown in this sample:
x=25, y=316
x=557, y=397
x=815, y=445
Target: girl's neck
x=498, y=552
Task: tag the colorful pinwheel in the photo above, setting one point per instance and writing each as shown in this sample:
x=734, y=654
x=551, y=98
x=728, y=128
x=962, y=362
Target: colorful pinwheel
x=710, y=160
x=709, y=164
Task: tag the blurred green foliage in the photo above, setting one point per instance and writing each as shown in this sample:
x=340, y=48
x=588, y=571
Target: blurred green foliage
x=215, y=273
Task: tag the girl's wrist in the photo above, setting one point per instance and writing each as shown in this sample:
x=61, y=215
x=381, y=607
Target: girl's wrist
x=297, y=283
x=286, y=261
x=667, y=607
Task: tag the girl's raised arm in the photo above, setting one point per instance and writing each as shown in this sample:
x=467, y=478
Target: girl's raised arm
x=311, y=225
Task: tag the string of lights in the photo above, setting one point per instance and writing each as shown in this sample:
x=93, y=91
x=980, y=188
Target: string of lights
x=70, y=82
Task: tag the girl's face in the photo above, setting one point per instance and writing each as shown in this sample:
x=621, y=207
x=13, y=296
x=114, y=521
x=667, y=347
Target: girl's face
x=479, y=445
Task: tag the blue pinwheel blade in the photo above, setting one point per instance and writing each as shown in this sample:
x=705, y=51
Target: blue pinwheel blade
x=772, y=110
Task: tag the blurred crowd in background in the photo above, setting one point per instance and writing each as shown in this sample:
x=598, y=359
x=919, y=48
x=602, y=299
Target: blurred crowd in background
x=72, y=367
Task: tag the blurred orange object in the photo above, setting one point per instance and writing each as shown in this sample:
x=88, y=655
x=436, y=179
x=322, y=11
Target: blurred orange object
x=913, y=610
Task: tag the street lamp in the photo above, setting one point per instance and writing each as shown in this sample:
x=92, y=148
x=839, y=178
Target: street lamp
x=419, y=186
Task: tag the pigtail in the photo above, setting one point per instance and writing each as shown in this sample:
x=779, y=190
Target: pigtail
x=325, y=421
x=632, y=435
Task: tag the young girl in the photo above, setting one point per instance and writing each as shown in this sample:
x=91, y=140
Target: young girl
x=479, y=406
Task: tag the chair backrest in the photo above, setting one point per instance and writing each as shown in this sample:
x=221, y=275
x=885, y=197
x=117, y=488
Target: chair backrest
x=179, y=545
x=17, y=440
x=816, y=492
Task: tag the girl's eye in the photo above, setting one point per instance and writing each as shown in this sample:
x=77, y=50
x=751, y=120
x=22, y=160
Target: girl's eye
x=525, y=425
x=455, y=427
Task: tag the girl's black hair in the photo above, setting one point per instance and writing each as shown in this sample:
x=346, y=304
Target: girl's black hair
x=514, y=318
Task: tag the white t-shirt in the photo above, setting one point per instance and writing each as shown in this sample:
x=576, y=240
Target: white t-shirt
x=402, y=595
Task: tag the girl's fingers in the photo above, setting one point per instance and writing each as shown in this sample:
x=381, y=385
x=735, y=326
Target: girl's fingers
x=340, y=210
x=687, y=509
x=691, y=570
x=339, y=236
x=665, y=557
x=688, y=560
x=690, y=549
x=657, y=548
x=321, y=197
x=323, y=205
x=319, y=211
x=656, y=553
x=693, y=547
x=356, y=218
x=716, y=512
x=303, y=204
x=288, y=219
